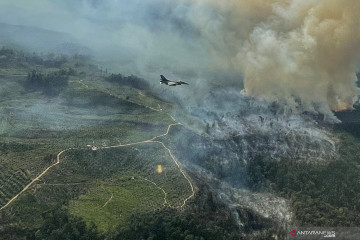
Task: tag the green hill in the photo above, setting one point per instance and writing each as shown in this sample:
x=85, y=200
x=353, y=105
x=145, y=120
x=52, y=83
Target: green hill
x=108, y=131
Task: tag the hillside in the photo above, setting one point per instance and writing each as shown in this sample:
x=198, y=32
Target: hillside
x=59, y=146
x=39, y=40
x=76, y=138
x=104, y=154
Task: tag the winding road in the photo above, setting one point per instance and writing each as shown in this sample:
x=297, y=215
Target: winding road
x=152, y=140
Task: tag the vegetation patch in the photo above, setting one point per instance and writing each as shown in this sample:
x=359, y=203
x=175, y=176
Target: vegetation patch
x=131, y=81
x=321, y=195
x=111, y=203
x=12, y=182
x=50, y=84
x=67, y=104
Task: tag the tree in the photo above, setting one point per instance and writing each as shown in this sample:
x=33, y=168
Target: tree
x=50, y=84
x=59, y=225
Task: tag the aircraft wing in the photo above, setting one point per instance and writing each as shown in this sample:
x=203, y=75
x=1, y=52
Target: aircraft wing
x=171, y=83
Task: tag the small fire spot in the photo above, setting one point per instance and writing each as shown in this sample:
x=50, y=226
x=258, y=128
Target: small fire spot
x=159, y=169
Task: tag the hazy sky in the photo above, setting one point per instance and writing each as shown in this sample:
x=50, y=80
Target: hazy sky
x=146, y=36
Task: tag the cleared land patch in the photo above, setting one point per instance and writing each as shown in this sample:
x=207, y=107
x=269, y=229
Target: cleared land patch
x=110, y=204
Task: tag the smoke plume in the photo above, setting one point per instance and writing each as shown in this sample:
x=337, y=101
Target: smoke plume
x=303, y=51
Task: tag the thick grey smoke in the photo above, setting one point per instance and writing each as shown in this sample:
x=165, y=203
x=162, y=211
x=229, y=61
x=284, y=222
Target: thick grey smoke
x=297, y=50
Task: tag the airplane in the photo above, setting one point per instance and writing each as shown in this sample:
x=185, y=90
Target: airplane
x=163, y=80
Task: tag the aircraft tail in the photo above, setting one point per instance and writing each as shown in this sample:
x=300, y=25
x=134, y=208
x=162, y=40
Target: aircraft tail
x=163, y=78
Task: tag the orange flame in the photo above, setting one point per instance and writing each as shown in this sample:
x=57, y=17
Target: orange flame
x=342, y=106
